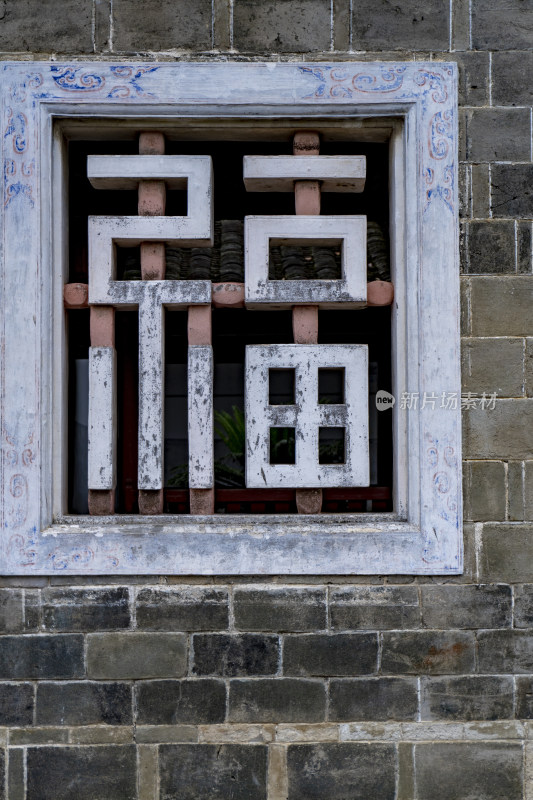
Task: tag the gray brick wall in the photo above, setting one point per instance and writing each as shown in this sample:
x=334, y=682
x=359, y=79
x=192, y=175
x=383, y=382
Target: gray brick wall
x=415, y=689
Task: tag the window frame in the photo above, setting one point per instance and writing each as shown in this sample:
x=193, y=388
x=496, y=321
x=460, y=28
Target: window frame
x=40, y=102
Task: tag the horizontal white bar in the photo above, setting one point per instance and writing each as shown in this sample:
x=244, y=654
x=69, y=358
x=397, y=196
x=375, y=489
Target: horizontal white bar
x=278, y=173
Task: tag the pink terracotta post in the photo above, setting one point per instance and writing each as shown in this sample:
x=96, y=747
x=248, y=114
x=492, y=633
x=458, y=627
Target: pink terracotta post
x=151, y=203
x=305, y=318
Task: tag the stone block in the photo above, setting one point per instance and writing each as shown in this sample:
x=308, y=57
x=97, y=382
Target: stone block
x=197, y=771
x=282, y=26
x=524, y=247
x=169, y=25
x=198, y=702
x=374, y=607
x=283, y=609
x=497, y=134
x=182, y=608
x=232, y=656
x=494, y=364
x=529, y=367
x=466, y=606
x=338, y=771
x=377, y=699
x=452, y=770
x=501, y=306
x=413, y=25
x=64, y=28
x=524, y=698
x=339, y=654
x=484, y=490
x=515, y=490
x=500, y=433
x=491, y=247
x=528, y=490
x=277, y=700
x=506, y=25
x=427, y=652
x=473, y=77
x=86, y=773
x=523, y=606
x=32, y=611
x=469, y=697
x=505, y=651
x=16, y=789
x=480, y=191
x=507, y=553
x=507, y=90
x=91, y=609
x=136, y=655
x=11, y=611
x=84, y=703
x=40, y=657
x=16, y=704
x=512, y=190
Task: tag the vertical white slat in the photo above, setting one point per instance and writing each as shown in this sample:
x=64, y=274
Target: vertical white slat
x=151, y=393
x=102, y=417
x=200, y=412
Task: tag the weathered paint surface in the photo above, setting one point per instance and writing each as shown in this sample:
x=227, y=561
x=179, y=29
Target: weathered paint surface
x=423, y=97
x=347, y=231
x=278, y=173
x=306, y=415
x=102, y=418
x=200, y=415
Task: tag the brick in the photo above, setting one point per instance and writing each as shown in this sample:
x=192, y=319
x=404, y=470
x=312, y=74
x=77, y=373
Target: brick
x=183, y=608
x=473, y=76
x=524, y=247
x=337, y=771
x=15, y=777
x=167, y=733
x=197, y=771
x=506, y=89
x=491, y=248
x=277, y=700
x=169, y=25
x=374, y=607
x=32, y=611
x=507, y=553
x=515, y=489
x=506, y=25
x=430, y=652
x=493, y=365
x=505, y=651
x=231, y=656
x=501, y=306
x=484, y=490
x=11, y=611
x=377, y=699
x=281, y=26
x=41, y=657
x=84, y=703
x=64, y=28
x=512, y=190
x=503, y=432
x=16, y=704
x=338, y=654
x=467, y=697
x=413, y=25
x=488, y=770
x=497, y=134
x=280, y=609
x=198, y=702
x=466, y=606
x=86, y=773
x=136, y=655
x=524, y=698
x=85, y=609
x=464, y=286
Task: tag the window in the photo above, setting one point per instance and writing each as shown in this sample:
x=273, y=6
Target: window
x=408, y=109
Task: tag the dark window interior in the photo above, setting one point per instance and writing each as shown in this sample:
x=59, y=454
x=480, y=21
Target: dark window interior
x=232, y=331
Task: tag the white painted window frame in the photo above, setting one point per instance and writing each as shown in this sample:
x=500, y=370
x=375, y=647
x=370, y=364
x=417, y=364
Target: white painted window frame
x=423, y=535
